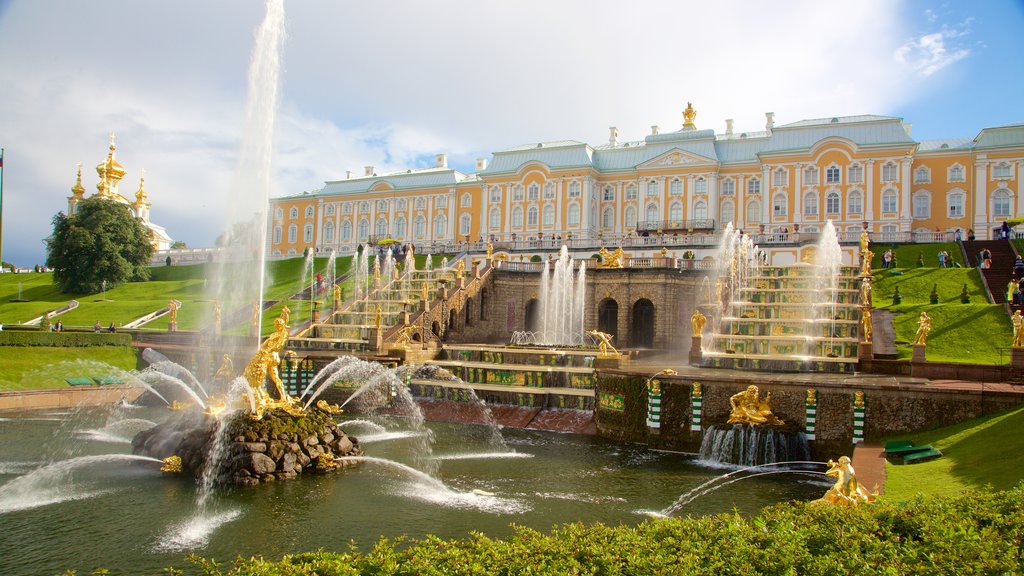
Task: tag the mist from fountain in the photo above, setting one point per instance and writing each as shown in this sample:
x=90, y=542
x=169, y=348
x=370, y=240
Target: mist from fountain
x=829, y=258
x=730, y=477
x=160, y=363
x=561, y=301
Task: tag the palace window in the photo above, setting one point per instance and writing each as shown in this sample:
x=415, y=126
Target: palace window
x=675, y=187
x=779, y=205
x=700, y=186
x=574, y=189
x=277, y=234
x=548, y=217
x=402, y=205
x=495, y=194
x=855, y=174
x=728, y=212
x=652, y=189
x=631, y=192
x=531, y=217
x=382, y=205
x=400, y=228
x=533, y=193
x=630, y=221
x=811, y=204
x=754, y=212
x=421, y=203
x=889, y=201
x=517, y=217
x=293, y=213
x=279, y=214
x=329, y=232
x=855, y=202
x=609, y=193
x=346, y=231
x=549, y=191
x=364, y=206
x=1002, y=170
x=495, y=219
x=464, y=224
x=363, y=232
x=517, y=192
x=440, y=226
x=811, y=176
x=293, y=232
x=754, y=186
x=309, y=211
x=955, y=201
x=419, y=227
x=890, y=172
x=307, y=233
x=955, y=173
x=922, y=175
x=922, y=205
x=381, y=228
x=574, y=215
x=346, y=208
x=728, y=188
x=441, y=201
x=608, y=219
x=675, y=212
x=832, y=203
x=1001, y=202
x=700, y=210
x=467, y=200
x=833, y=174
x=330, y=209
x=780, y=178
x=652, y=213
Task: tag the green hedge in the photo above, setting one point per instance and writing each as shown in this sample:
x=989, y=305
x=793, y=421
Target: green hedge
x=972, y=533
x=63, y=339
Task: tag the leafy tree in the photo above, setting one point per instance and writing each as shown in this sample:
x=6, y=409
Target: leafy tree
x=101, y=242
x=178, y=244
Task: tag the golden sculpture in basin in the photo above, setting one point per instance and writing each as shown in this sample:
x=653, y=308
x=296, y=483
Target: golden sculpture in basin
x=604, y=344
x=749, y=408
x=265, y=364
x=847, y=491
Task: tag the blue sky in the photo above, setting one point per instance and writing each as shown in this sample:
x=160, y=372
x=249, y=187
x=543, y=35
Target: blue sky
x=391, y=84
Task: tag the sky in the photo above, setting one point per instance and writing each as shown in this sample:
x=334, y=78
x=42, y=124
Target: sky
x=390, y=84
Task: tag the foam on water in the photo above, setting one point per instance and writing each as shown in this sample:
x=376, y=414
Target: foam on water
x=18, y=467
x=367, y=423
x=383, y=436
x=195, y=531
x=484, y=456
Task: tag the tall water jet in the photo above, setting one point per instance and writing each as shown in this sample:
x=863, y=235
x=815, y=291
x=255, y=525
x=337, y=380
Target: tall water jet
x=561, y=302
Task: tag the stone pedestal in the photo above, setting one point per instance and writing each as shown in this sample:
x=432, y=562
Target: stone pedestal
x=1016, y=357
x=865, y=351
x=376, y=339
x=696, y=354
x=918, y=354
x=172, y=326
x=607, y=362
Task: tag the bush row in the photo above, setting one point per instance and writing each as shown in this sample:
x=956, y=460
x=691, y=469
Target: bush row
x=64, y=339
x=972, y=533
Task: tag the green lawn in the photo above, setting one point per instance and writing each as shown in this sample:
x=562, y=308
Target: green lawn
x=980, y=454
x=32, y=367
x=907, y=254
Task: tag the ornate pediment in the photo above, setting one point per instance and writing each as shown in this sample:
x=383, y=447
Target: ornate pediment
x=677, y=157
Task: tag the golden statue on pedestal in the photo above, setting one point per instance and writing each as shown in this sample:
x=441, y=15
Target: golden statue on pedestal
x=1018, y=329
x=748, y=408
x=172, y=312
x=697, y=321
x=265, y=364
x=612, y=259
x=865, y=292
x=846, y=491
x=924, y=326
x=865, y=325
x=864, y=241
x=460, y=268
x=226, y=371
x=865, y=264
x=604, y=344
x=490, y=251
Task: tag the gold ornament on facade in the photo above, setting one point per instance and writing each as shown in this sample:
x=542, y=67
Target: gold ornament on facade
x=749, y=408
x=847, y=491
x=604, y=344
x=689, y=115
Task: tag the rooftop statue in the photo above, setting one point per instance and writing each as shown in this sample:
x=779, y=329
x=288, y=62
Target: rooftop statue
x=748, y=408
x=846, y=491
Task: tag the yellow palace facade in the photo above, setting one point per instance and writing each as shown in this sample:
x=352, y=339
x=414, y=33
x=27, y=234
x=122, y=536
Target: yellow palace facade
x=856, y=171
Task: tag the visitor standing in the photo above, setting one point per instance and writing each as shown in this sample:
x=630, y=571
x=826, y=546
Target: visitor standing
x=887, y=259
x=956, y=236
x=942, y=259
x=970, y=234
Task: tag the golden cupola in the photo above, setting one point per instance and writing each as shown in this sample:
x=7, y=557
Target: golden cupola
x=140, y=194
x=78, y=191
x=110, y=172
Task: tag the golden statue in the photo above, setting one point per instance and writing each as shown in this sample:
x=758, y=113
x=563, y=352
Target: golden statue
x=865, y=292
x=747, y=408
x=697, y=321
x=216, y=316
x=377, y=316
x=337, y=295
x=1018, y=329
x=172, y=312
x=865, y=325
x=612, y=259
x=846, y=491
x=697, y=391
x=490, y=251
x=172, y=465
x=423, y=294
x=924, y=326
x=865, y=263
x=864, y=241
x=376, y=272
x=404, y=338
x=812, y=396
x=265, y=364
x=226, y=371
x=688, y=116
x=256, y=315
x=604, y=344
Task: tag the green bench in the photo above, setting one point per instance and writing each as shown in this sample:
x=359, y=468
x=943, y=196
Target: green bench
x=905, y=452
x=922, y=456
x=108, y=381
x=80, y=381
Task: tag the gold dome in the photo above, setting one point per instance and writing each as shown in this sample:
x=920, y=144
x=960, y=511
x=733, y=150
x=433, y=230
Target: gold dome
x=78, y=191
x=140, y=194
x=110, y=171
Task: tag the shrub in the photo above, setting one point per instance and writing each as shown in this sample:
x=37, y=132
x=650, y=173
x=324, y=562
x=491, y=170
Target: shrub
x=63, y=339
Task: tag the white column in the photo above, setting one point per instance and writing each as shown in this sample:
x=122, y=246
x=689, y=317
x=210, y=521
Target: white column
x=712, y=180
x=559, y=192
x=906, y=215
x=981, y=227
x=453, y=231
x=507, y=231
x=618, y=223
x=798, y=181
x=740, y=197
x=869, y=192
x=485, y=199
x=766, y=198
x=318, y=225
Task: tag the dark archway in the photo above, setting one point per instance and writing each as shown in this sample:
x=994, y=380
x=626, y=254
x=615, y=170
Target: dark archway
x=436, y=329
x=453, y=318
x=483, y=303
x=608, y=316
x=532, y=317
x=468, y=312
x=641, y=334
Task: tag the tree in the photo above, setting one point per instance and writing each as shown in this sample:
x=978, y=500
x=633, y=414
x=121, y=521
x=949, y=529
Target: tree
x=101, y=243
x=178, y=244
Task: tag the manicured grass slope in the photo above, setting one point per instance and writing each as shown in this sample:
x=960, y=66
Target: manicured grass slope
x=33, y=367
x=907, y=254
x=979, y=454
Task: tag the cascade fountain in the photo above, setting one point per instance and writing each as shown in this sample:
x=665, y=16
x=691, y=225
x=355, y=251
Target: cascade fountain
x=802, y=317
x=560, y=304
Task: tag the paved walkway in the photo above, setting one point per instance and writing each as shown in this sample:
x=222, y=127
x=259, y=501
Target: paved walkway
x=869, y=463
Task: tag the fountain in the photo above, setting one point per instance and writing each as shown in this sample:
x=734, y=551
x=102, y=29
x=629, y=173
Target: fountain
x=560, y=305
x=798, y=318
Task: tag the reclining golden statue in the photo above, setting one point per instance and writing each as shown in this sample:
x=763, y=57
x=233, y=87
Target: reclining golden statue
x=748, y=408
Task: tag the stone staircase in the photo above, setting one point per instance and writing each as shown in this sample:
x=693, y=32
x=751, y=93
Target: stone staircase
x=999, y=275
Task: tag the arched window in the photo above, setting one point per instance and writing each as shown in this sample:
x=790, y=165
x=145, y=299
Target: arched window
x=700, y=186
x=548, y=217
x=574, y=189
x=811, y=204
x=307, y=233
x=753, y=212
x=279, y=214
x=608, y=219
x=955, y=201
x=890, y=172
x=363, y=232
x=675, y=187
x=780, y=178
x=309, y=211
x=467, y=200
x=675, y=212
x=531, y=217
x=780, y=206
x=811, y=176
x=700, y=210
x=495, y=194
x=832, y=203
x=1001, y=202
x=955, y=173
x=922, y=204
x=630, y=217
x=329, y=231
x=855, y=202
x=652, y=213
x=1002, y=170
x=728, y=212
x=533, y=193
x=889, y=201
x=464, y=224
x=517, y=192
x=922, y=175
x=419, y=227
x=293, y=213
x=754, y=186
x=631, y=192
x=440, y=226
x=346, y=231
x=728, y=188
x=574, y=215
x=855, y=174
x=400, y=228
x=381, y=228
x=833, y=175
x=495, y=219
x=277, y=234
x=652, y=188
x=549, y=191
x=517, y=217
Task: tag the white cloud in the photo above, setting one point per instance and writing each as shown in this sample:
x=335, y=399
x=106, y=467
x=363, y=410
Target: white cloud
x=390, y=84
x=931, y=52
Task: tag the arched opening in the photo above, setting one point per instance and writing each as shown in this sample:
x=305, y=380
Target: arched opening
x=483, y=303
x=532, y=321
x=608, y=316
x=436, y=329
x=468, y=311
x=642, y=330
x=452, y=319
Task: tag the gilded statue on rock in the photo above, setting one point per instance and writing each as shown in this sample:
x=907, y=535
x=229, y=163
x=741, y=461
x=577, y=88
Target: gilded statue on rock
x=846, y=491
x=749, y=408
x=265, y=365
x=865, y=325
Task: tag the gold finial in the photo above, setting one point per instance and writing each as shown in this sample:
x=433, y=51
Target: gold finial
x=140, y=194
x=688, y=115
x=78, y=190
